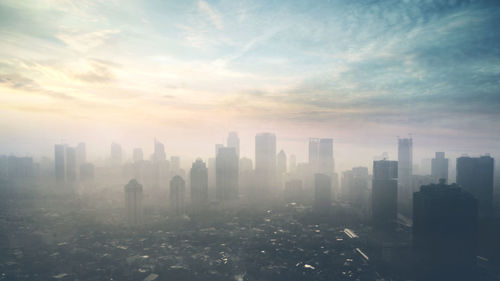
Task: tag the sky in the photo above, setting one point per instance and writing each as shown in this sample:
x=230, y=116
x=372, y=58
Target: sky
x=188, y=72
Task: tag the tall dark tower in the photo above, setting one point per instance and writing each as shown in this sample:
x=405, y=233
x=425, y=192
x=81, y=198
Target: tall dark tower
x=199, y=183
x=405, y=172
x=226, y=174
x=384, y=193
x=177, y=194
x=444, y=233
x=475, y=175
x=322, y=192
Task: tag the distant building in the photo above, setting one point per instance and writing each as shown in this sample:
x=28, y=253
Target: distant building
x=445, y=229
x=72, y=168
x=226, y=174
x=246, y=176
x=133, y=202
x=234, y=141
x=384, y=193
x=60, y=162
x=321, y=156
x=405, y=172
x=175, y=166
x=265, y=162
x=292, y=164
x=20, y=167
x=87, y=171
x=177, y=195
x=322, y=192
x=475, y=175
x=137, y=155
x=199, y=183
x=293, y=191
x=355, y=186
x=81, y=154
x=439, y=167
x=159, y=152
x=281, y=163
x=116, y=154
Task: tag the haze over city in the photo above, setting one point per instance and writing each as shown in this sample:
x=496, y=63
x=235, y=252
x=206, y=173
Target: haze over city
x=249, y=140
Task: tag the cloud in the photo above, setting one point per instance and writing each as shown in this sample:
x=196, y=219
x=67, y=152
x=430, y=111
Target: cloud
x=100, y=72
x=85, y=41
x=212, y=14
x=19, y=82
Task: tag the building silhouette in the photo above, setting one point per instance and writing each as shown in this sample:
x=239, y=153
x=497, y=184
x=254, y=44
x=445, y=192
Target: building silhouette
x=405, y=172
x=116, y=154
x=355, y=186
x=326, y=162
x=439, y=167
x=265, y=163
x=313, y=155
x=475, y=175
x=71, y=165
x=322, y=192
x=199, y=183
x=234, y=141
x=445, y=231
x=226, y=174
x=81, y=154
x=159, y=152
x=133, y=203
x=384, y=193
x=60, y=162
x=137, y=155
x=177, y=195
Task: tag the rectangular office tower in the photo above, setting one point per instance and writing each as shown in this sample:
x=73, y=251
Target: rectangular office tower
x=60, y=162
x=321, y=156
x=199, y=183
x=265, y=162
x=177, y=195
x=226, y=174
x=444, y=232
x=322, y=192
x=133, y=202
x=475, y=175
x=439, y=167
x=384, y=193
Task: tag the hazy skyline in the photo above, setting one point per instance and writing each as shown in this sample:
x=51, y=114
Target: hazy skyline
x=188, y=72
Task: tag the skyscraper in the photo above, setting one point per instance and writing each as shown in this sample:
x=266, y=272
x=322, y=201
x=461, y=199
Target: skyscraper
x=60, y=162
x=444, y=232
x=355, y=186
x=314, y=154
x=384, y=193
x=159, y=152
x=81, y=154
x=138, y=155
x=281, y=163
x=234, y=141
x=405, y=171
x=226, y=174
x=199, y=183
x=439, y=167
x=133, y=202
x=326, y=163
x=265, y=162
x=475, y=175
x=71, y=164
x=116, y=154
x=322, y=192
x=177, y=194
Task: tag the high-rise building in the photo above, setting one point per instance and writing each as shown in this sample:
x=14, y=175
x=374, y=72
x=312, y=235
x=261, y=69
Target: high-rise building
x=246, y=176
x=355, y=186
x=177, y=194
x=159, y=152
x=81, y=154
x=439, y=167
x=175, y=166
x=20, y=167
x=384, y=193
x=281, y=163
x=292, y=164
x=322, y=192
x=314, y=154
x=476, y=175
x=293, y=191
x=234, y=141
x=87, y=171
x=265, y=162
x=60, y=162
x=445, y=225
x=133, y=202
x=71, y=164
x=326, y=163
x=137, y=155
x=405, y=172
x=199, y=183
x=226, y=174
x=116, y=154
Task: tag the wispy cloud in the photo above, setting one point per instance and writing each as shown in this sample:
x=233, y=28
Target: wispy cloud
x=212, y=13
